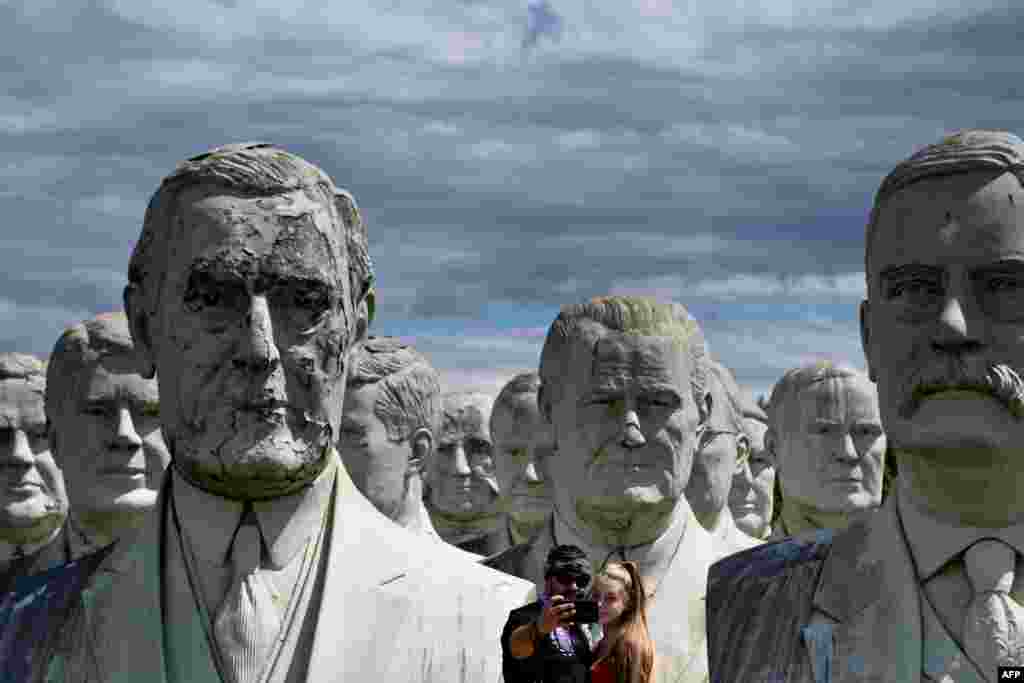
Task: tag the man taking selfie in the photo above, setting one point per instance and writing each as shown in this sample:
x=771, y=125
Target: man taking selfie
x=546, y=640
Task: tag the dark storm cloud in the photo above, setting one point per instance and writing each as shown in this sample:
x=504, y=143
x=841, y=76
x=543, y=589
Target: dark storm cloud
x=725, y=156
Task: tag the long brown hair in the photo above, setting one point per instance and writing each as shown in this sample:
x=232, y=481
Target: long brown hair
x=634, y=649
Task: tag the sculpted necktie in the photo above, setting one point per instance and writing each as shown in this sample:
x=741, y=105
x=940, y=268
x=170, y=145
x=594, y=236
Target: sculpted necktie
x=247, y=622
x=993, y=631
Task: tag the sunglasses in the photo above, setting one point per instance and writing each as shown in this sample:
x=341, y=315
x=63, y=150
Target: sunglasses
x=581, y=580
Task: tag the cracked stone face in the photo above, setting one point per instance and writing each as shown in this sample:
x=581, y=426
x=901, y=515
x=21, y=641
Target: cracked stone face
x=832, y=449
x=108, y=439
x=33, y=501
x=625, y=425
x=250, y=341
x=943, y=326
x=462, y=481
x=522, y=443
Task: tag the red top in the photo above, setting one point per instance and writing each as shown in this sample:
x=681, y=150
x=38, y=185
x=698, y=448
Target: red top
x=603, y=671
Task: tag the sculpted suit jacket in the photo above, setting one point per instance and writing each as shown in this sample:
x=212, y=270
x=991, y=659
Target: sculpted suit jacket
x=826, y=606
x=395, y=607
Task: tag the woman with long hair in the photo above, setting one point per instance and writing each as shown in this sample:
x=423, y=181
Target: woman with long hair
x=626, y=652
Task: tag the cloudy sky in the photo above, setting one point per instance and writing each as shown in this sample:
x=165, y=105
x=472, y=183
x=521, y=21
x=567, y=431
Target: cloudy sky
x=509, y=156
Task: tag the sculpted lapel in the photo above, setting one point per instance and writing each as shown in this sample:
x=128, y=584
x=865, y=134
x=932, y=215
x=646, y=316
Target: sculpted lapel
x=399, y=607
x=357, y=602
x=868, y=594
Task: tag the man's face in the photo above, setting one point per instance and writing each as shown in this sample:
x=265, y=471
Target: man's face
x=569, y=585
x=108, y=439
x=945, y=307
x=376, y=464
x=33, y=501
x=717, y=459
x=522, y=441
x=625, y=425
x=750, y=497
x=831, y=456
x=251, y=343
x=463, y=481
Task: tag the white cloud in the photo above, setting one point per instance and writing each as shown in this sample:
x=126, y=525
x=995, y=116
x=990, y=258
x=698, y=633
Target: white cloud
x=847, y=286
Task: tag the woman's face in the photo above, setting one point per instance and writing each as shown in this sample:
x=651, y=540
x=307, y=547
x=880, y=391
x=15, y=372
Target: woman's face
x=611, y=601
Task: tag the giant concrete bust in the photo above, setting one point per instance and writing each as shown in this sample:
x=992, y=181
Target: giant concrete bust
x=624, y=386
x=826, y=438
x=104, y=420
x=389, y=427
x=722, y=453
x=928, y=586
x=462, y=495
x=522, y=443
x=33, y=500
x=751, y=497
x=248, y=287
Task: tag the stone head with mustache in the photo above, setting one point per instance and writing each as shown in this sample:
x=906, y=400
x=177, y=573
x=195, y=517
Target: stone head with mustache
x=943, y=324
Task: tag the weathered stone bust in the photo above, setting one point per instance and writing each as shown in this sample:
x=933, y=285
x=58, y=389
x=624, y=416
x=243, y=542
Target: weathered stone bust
x=624, y=386
x=927, y=587
x=522, y=442
x=389, y=426
x=104, y=421
x=248, y=288
x=826, y=437
x=722, y=453
x=751, y=496
x=33, y=501
x=462, y=495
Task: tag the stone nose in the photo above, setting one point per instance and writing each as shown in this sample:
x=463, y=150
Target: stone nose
x=257, y=349
x=632, y=437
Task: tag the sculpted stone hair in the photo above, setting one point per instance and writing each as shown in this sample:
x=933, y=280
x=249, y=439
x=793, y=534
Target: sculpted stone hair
x=506, y=406
x=254, y=170
x=731, y=414
x=583, y=323
x=24, y=367
x=968, y=150
x=80, y=347
x=410, y=387
x=794, y=381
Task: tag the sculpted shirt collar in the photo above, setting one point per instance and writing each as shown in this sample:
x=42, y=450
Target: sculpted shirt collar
x=285, y=523
x=933, y=543
x=653, y=558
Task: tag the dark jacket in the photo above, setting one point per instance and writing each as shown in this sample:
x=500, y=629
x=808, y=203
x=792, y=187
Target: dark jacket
x=35, y=617
x=547, y=664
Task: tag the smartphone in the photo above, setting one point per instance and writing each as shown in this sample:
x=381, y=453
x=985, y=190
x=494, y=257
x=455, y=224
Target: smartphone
x=586, y=612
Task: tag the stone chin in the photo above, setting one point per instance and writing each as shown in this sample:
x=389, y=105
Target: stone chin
x=139, y=499
x=21, y=526
x=618, y=514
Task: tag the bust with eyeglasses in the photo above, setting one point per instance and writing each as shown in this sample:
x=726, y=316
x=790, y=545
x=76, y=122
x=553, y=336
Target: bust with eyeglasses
x=722, y=451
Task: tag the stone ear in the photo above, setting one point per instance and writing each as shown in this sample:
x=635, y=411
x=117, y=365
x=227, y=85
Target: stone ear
x=364, y=316
x=770, y=443
x=422, y=448
x=865, y=338
x=544, y=402
x=139, y=326
x=743, y=451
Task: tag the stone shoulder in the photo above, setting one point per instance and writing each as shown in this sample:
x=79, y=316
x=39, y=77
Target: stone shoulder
x=771, y=559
